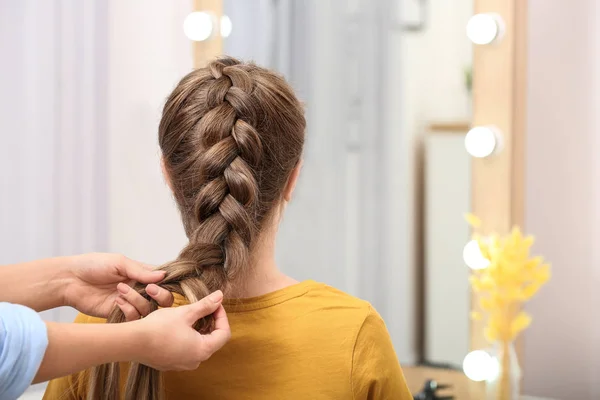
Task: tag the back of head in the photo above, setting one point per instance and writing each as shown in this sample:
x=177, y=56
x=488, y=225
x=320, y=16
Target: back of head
x=230, y=135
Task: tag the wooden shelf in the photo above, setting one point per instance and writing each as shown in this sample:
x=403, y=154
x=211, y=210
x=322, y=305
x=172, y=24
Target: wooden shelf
x=450, y=127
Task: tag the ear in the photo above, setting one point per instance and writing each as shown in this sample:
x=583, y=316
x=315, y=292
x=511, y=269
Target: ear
x=163, y=168
x=292, y=181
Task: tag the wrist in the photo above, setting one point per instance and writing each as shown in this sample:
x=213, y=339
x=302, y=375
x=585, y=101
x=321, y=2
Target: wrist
x=51, y=282
x=141, y=341
x=65, y=279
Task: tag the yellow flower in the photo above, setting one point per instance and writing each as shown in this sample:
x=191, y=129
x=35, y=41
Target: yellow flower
x=475, y=284
x=476, y=316
x=519, y=323
x=472, y=220
x=486, y=304
x=486, y=283
x=542, y=274
x=512, y=277
x=491, y=335
x=530, y=290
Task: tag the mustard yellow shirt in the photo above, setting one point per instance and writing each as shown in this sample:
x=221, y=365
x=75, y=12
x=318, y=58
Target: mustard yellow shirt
x=306, y=341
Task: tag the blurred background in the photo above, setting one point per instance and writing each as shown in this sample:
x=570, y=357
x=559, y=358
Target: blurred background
x=379, y=209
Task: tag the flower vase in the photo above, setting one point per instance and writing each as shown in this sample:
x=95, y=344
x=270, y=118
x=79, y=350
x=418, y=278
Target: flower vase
x=504, y=383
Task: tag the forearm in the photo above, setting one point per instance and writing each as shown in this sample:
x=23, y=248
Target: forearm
x=36, y=284
x=75, y=347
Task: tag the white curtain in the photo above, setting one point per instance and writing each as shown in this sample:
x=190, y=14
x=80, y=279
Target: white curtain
x=52, y=130
x=80, y=101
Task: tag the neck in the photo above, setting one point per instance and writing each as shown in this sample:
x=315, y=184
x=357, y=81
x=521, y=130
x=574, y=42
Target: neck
x=263, y=275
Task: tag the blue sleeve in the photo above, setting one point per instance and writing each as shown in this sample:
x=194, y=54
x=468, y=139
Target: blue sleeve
x=23, y=342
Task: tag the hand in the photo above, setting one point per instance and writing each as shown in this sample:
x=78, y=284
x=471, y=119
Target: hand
x=134, y=306
x=170, y=341
x=93, y=279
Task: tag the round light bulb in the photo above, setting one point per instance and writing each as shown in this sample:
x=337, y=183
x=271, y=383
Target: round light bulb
x=473, y=257
x=198, y=26
x=484, y=28
x=479, y=365
x=226, y=26
x=482, y=141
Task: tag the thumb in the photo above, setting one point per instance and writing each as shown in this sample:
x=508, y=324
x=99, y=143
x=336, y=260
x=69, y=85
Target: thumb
x=139, y=272
x=204, y=307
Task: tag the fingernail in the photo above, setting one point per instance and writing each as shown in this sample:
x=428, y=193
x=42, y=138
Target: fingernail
x=120, y=300
x=215, y=297
x=123, y=288
x=158, y=272
x=152, y=290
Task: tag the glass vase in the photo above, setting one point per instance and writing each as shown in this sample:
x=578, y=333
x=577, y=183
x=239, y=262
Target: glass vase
x=505, y=381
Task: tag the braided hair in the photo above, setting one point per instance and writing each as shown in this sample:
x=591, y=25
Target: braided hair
x=230, y=136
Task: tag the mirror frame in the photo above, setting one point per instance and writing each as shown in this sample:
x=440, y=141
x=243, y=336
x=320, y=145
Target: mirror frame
x=499, y=99
x=213, y=46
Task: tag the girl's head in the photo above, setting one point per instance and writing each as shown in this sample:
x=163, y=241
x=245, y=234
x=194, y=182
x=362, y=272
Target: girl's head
x=231, y=136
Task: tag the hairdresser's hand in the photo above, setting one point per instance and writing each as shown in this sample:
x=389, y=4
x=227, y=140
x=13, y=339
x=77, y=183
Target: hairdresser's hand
x=170, y=341
x=134, y=306
x=93, y=278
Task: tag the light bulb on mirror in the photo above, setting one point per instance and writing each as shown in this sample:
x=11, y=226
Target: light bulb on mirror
x=226, y=26
x=473, y=257
x=198, y=26
x=479, y=366
x=483, y=141
x=485, y=28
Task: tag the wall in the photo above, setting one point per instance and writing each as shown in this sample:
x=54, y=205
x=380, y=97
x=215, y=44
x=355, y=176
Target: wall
x=562, y=346
x=149, y=53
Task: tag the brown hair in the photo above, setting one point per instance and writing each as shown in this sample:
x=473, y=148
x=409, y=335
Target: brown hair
x=230, y=135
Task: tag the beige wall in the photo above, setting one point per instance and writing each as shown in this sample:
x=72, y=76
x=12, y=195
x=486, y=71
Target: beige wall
x=562, y=346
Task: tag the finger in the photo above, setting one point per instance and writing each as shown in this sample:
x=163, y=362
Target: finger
x=131, y=314
x=222, y=333
x=221, y=320
x=163, y=297
x=142, y=305
x=140, y=272
x=204, y=307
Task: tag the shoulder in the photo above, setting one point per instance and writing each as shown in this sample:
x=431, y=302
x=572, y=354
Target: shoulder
x=335, y=310
x=376, y=371
x=358, y=330
x=332, y=297
x=372, y=324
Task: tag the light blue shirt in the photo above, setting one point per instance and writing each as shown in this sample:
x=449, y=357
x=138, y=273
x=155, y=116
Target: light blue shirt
x=23, y=342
